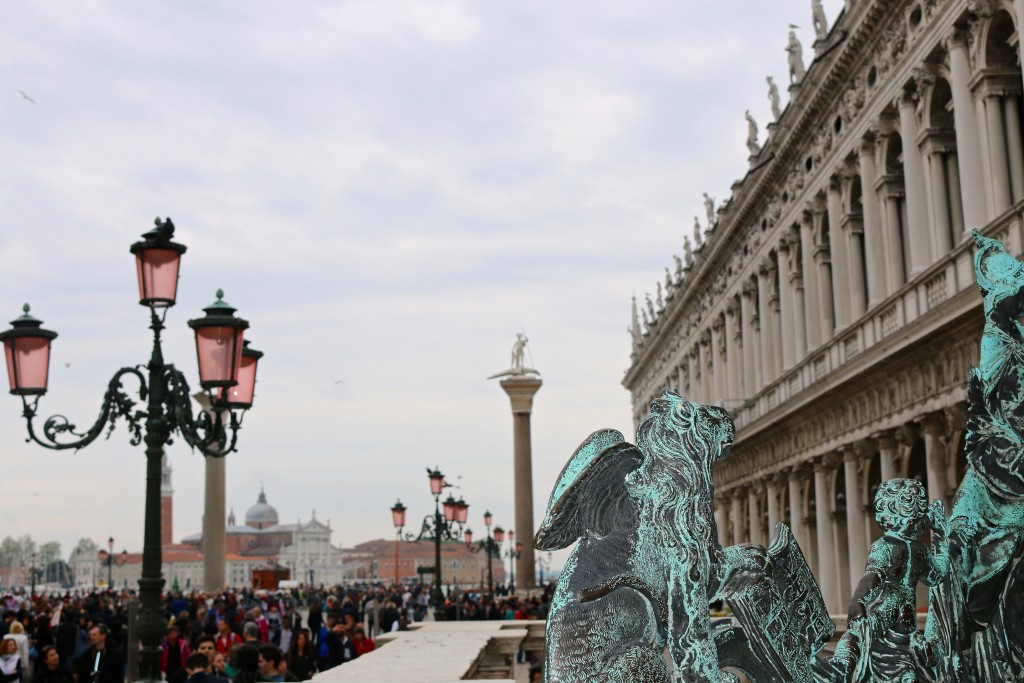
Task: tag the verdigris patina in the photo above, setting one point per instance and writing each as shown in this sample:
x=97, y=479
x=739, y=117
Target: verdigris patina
x=632, y=601
x=649, y=562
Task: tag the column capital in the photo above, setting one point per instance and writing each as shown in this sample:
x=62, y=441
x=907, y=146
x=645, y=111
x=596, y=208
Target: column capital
x=854, y=452
x=957, y=37
x=885, y=439
x=906, y=434
x=776, y=480
x=520, y=391
x=827, y=462
x=933, y=424
x=956, y=416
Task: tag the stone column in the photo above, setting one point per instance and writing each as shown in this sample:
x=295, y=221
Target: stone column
x=733, y=362
x=874, y=246
x=856, y=530
x=1001, y=194
x=891, y=193
x=736, y=515
x=886, y=441
x=764, y=317
x=786, y=307
x=840, y=260
x=933, y=428
x=1014, y=145
x=772, y=485
x=854, y=234
x=521, y=391
x=828, y=572
x=913, y=174
x=717, y=362
x=775, y=319
x=693, y=379
x=704, y=361
x=751, y=381
x=941, y=228
x=754, y=513
x=826, y=309
x=796, y=508
x=722, y=522
x=810, y=276
x=215, y=538
x=965, y=122
x=796, y=281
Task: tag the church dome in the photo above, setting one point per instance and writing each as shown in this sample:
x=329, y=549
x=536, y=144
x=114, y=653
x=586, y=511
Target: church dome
x=262, y=514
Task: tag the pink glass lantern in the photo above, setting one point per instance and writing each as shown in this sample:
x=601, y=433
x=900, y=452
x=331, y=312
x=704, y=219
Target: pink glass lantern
x=27, y=350
x=157, y=260
x=519, y=548
x=468, y=535
x=488, y=518
x=449, y=508
x=398, y=515
x=241, y=395
x=499, y=534
x=461, y=511
x=436, y=481
x=219, y=344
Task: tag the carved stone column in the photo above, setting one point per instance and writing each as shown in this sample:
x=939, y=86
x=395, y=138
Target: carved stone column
x=913, y=173
x=933, y=428
x=521, y=391
x=751, y=383
x=874, y=246
x=812, y=316
x=796, y=509
x=828, y=572
x=764, y=317
x=840, y=262
x=754, y=513
x=775, y=319
x=856, y=531
x=722, y=522
x=1000, y=172
x=786, y=307
x=733, y=361
x=736, y=514
x=965, y=123
x=704, y=362
x=693, y=393
x=772, y=485
x=796, y=281
x=886, y=441
x=717, y=362
x=823, y=259
x=1014, y=145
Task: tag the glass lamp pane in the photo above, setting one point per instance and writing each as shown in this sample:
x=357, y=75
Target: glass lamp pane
x=28, y=364
x=461, y=512
x=499, y=534
x=449, y=509
x=398, y=515
x=469, y=537
x=157, y=270
x=436, y=483
x=241, y=395
x=220, y=354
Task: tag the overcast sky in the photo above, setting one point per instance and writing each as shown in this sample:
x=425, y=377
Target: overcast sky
x=388, y=191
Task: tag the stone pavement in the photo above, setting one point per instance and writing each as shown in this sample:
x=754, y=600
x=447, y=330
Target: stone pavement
x=444, y=652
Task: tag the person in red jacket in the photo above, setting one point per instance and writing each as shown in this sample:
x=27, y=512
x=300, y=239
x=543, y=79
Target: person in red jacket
x=174, y=652
x=226, y=638
x=363, y=644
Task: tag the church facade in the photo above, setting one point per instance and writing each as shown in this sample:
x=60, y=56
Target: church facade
x=830, y=304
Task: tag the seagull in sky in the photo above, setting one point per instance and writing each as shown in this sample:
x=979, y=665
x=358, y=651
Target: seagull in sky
x=338, y=381
x=25, y=96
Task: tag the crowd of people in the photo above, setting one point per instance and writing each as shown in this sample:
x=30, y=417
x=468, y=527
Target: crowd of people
x=242, y=637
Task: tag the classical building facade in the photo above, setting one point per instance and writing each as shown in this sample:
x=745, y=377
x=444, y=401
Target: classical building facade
x=831, y=305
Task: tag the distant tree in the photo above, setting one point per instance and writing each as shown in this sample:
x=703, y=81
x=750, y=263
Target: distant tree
x=47, y=553
x=16, y=551
x=85, y=547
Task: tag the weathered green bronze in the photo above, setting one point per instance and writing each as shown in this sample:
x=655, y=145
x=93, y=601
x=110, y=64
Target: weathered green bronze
x=632, y=601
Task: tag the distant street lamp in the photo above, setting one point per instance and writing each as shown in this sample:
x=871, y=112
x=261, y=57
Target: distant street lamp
x=491, y=545
x=166, y=408
x=514, y=551
x=110, y=563
x=33, y=591
x=436, y=528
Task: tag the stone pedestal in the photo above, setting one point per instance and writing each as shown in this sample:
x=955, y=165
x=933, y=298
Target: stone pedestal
x=520, y=391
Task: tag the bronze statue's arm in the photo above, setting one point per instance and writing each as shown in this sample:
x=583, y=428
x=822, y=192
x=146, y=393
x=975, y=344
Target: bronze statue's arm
x=938, y=558
x=864, y=593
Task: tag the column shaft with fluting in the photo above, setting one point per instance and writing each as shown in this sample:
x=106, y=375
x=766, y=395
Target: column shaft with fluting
x=520, y=391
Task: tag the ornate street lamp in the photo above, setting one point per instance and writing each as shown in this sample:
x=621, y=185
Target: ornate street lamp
x=437, y=528
x=33, y=592
x=398, y=518
x=162, y=410
x=491, y=545
x=110, y=563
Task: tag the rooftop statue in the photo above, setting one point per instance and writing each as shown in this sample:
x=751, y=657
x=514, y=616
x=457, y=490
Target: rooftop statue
x=698, y=239
x=660, y=299
x=795, y=50
x=752, y=145
x=688, y=250
x=679, y=267
x=709, y=209
x=773, y=98
x=820, y=22
x=518, y=367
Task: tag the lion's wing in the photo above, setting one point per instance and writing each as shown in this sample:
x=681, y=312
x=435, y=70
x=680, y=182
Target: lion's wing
x=591, y=492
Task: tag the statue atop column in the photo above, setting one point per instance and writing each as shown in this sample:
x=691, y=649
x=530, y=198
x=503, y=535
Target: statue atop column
x=518, y=365
x=795, y=50
x=752, y=145
x=773, y=98
x=820, y=22
x=698, y=239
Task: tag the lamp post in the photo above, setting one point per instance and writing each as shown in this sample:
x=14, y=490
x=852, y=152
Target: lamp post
x=33, y=591
x=514, y=551
x=437, y=528
x=398, y=518
x=110, y=563
x=491, y=545
x=165, y=408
